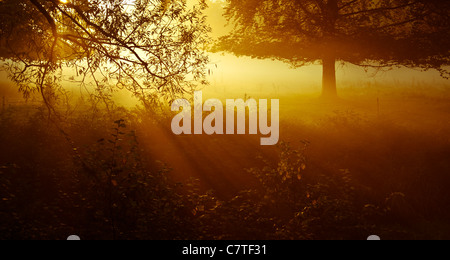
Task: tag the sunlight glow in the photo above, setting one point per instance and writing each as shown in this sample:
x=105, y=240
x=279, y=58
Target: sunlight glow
x=64, y=1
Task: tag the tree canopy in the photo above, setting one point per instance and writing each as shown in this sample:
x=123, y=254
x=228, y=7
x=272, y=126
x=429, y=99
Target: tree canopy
x=153, y=48
x=412, y=33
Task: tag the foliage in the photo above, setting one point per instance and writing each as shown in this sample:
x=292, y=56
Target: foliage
x=293, y=202
x=369, y=33
x=101, y=190
x=360, y=32
x=153, y=49
x=98, y=181
x=135, y=202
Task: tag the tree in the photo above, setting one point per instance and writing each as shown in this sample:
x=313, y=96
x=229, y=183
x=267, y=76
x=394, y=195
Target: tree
x=153, y=48
x=371, y=33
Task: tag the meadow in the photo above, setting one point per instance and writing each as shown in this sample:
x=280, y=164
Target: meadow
x=373, y=162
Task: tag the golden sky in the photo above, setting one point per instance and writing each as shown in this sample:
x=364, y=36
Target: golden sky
x=248, y=75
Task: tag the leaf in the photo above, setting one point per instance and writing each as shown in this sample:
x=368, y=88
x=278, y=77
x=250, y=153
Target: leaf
x=114, y=183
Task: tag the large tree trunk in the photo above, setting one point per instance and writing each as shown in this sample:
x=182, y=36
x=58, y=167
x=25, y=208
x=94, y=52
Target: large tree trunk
x=329, y=78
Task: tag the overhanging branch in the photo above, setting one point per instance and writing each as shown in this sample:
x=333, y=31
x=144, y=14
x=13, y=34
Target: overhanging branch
x=47, y=16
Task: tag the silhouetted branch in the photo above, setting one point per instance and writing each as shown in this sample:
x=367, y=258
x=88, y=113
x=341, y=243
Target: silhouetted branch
x=347, y=4
x=380, y=9
x=47, y=16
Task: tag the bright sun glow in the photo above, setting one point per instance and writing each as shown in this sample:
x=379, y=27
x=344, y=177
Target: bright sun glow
x=64, y=1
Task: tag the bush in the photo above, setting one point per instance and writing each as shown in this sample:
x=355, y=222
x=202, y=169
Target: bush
x=55, y=184
x=89, y=176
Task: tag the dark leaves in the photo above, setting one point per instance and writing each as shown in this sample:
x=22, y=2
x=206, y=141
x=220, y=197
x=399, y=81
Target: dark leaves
x=366, y=32
x=146, y=47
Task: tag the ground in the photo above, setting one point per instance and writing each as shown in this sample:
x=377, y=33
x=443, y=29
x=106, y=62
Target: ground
x=375, y=160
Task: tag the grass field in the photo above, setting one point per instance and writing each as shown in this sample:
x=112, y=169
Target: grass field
x=373, y=162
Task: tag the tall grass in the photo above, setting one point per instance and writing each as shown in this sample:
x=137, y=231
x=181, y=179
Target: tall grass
x=344, y=172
